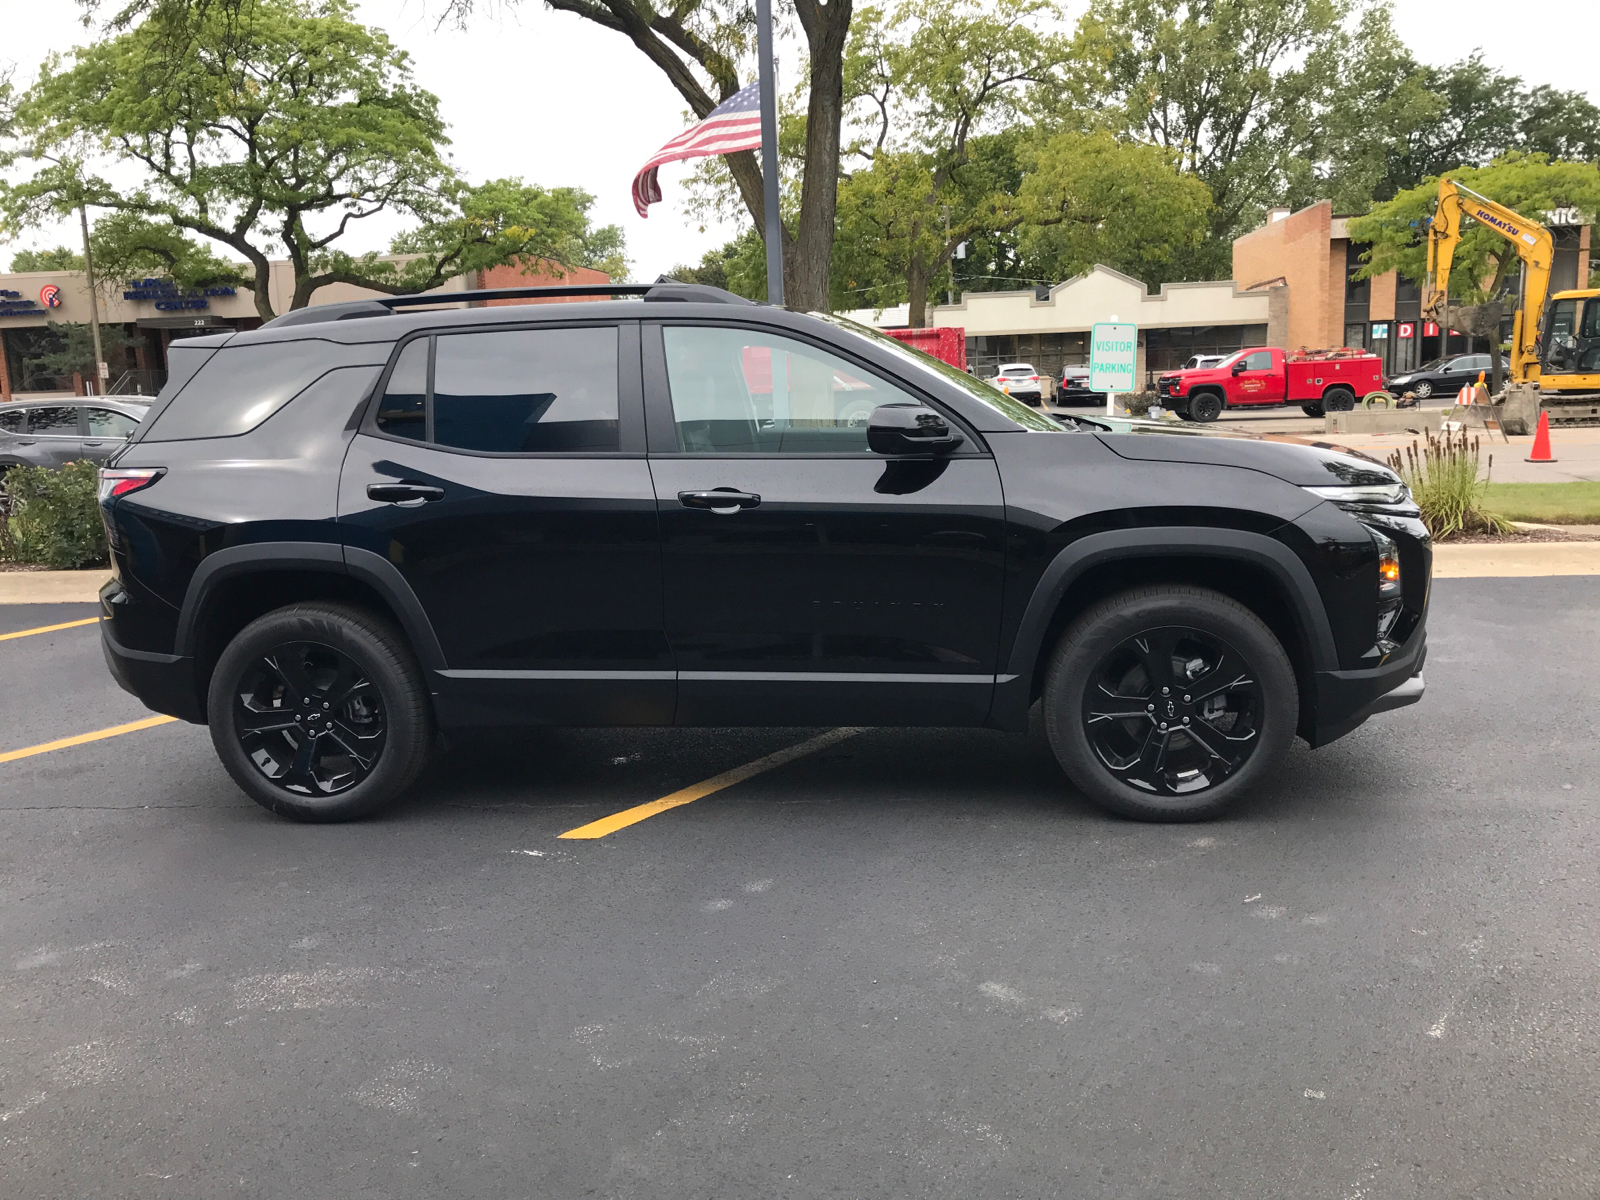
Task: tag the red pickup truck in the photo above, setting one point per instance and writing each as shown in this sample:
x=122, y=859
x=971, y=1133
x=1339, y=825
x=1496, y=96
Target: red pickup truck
x=1318, y=381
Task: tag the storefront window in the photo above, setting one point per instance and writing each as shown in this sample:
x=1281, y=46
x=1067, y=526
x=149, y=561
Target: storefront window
x=1355, y=336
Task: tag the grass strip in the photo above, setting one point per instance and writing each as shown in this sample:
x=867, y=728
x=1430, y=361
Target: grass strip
x=1547, y=503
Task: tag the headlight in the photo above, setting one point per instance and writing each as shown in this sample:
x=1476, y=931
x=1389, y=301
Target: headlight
x=1372, y=493
x=1401, y=379
x=1388, y=583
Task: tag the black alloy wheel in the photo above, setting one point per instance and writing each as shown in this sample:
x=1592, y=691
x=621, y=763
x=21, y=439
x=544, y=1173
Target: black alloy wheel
x=1205, y=407
x=1168, y=702
x=1172, y=710
x=319, y=713
x=1339, y=399
x=1421, y=389
x=309, y=719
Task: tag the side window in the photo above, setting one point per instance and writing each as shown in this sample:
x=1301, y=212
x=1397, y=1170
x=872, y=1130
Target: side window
x=109, y=423
x=54, y=422
x=11, y=422
x=1261, y=360
x=526, y=391
x=745, y=391
x=403, y=412
x=239, y=387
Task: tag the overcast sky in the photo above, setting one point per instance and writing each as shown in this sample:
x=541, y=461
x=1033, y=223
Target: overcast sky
x=556, y=100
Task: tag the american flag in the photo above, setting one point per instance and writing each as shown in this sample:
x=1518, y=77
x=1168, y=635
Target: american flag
x=735, y=124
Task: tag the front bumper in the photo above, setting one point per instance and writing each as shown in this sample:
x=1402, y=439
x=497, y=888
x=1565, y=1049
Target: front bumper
x=1343, y=700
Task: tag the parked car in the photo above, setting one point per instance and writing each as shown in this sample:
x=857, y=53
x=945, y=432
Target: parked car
x=1445, y=376
x=52, y=433
x=1074, y=390
x=1318, y=382
x=1196, y=362
x=1022, y=381
x=356, y=526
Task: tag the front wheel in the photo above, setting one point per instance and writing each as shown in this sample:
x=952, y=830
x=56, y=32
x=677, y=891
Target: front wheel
x=1167, y=703
x=1205, y=407
x=1421, y=389
x=1312, y=410
x=319, y=712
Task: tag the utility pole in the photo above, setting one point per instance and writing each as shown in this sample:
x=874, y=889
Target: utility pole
x=950, y=286
x=102, y=372
x=769, y=152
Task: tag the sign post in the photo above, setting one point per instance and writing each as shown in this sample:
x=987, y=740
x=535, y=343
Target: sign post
x=1113, y=355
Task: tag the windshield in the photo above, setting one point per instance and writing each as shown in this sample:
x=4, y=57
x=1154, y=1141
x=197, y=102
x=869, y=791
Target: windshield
x=1012, y=410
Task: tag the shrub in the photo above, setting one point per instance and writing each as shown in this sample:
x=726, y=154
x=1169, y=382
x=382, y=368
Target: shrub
x=52, y=518
x=1443, y=477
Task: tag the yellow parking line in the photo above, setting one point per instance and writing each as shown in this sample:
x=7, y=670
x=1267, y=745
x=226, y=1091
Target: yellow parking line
x=6, y=637
x=79, y=739
x=632, y=816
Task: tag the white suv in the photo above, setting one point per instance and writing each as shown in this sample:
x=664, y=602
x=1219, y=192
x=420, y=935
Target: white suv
x=1022, y=381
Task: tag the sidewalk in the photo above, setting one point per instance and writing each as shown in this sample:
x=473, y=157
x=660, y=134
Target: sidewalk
x=1577, y=452
x=52, y=587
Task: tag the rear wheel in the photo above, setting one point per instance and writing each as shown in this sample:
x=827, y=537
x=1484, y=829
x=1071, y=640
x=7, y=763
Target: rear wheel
x=1167, y=703
x=1339, y=399
x=1205, y=407
x=319, y=713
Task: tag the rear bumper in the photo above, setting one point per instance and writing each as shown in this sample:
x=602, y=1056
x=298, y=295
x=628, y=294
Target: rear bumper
x=1345, y=699
x=164, y=682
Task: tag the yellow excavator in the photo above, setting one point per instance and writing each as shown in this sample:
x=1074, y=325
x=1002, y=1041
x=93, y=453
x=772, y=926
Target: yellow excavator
x=1555, y=362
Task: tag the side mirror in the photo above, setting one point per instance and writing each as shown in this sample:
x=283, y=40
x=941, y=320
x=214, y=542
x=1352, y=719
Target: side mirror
x=1238, y=367
x=909, y=429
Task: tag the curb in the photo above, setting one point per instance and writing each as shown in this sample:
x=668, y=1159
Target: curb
x=1484, y=560
x=52, y=587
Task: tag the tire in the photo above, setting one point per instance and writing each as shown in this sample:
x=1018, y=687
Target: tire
x=1339, y=399
x=1422, y=389
x=1184, y=415
x=373, y=744
x=1312, y=410
x=1205, y=407
x=1124, y=639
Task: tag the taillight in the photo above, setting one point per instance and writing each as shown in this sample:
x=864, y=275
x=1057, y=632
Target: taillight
x=122, y=481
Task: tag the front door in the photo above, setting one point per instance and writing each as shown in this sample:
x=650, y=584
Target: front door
x=1255, y=381
x=809, y=581
x=503, y=473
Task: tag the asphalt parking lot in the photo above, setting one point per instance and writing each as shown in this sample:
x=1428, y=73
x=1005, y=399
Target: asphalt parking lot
x=912, y=963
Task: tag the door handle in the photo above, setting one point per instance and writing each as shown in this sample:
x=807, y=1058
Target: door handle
x=401, y=493
x=719, y=500
x=94, y=443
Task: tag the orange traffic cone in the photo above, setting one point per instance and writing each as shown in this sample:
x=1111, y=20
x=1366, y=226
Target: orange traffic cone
x=1541, y=441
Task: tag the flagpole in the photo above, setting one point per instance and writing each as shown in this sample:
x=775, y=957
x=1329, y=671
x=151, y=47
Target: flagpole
x=769, y=152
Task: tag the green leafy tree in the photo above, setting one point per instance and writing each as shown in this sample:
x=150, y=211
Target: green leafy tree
x=1090, y=198
x=272, y=126
x=929, y=81
x=1228, y=86
x=62, y=258
x=73, y=349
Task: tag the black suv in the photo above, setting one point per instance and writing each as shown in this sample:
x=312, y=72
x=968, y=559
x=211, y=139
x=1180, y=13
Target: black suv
x=358, y=525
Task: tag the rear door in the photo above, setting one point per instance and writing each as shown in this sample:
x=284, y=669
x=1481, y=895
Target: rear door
x=835, y=585
x=106, y=431
x=503, y=473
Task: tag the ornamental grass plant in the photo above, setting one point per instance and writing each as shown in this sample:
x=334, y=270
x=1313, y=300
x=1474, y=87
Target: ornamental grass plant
x=1443, y=475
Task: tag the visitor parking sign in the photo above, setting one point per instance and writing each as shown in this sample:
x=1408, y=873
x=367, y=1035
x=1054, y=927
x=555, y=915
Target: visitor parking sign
x=1113, y=350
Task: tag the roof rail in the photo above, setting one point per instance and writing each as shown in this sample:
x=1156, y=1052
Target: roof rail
x=379, y=306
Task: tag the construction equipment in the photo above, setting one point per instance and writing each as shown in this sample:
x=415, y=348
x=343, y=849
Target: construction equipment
x=1555, y=363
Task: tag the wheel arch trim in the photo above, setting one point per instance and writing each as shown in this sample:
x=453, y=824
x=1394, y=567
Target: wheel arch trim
x=263, y=557
x=1098, y=548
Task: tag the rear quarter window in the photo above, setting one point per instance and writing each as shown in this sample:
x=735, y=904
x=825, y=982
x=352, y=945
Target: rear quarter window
x=239, y=387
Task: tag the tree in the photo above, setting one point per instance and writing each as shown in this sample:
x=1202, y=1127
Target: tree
x=1089, y=198
x=273, y=126
x=73, y=352
x=1483, y=270
x=1227, y=85
x=929, y=79
x=62, y=258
